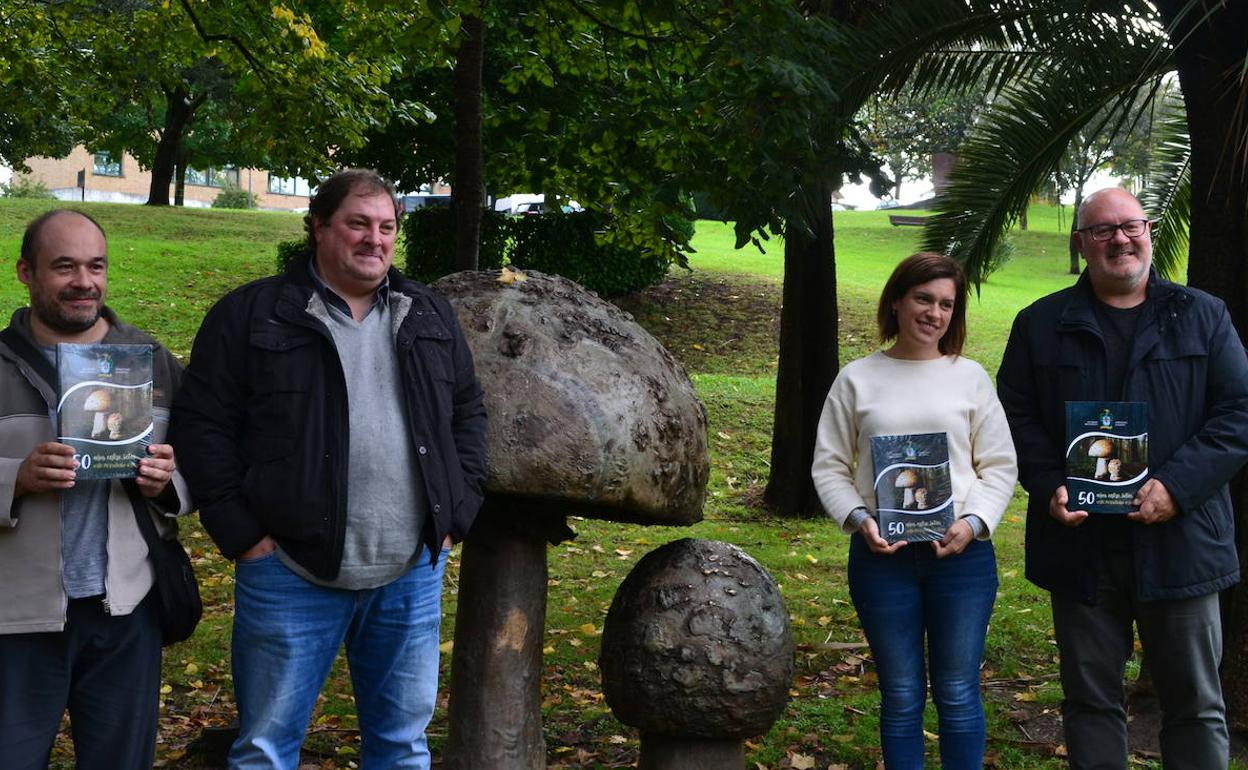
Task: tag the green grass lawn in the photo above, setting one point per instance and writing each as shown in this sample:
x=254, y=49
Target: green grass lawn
x=168, y=266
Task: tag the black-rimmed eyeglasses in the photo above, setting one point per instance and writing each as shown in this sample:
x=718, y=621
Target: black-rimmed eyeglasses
x=1132, y=228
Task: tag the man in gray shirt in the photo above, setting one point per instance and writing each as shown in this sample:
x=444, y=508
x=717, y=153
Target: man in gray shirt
x=78, y=631
x=339, y=433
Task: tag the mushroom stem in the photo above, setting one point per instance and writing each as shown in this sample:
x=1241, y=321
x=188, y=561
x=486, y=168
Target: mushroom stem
x=99, y=427
x=664, y=752
x=495, y=711
x=907, y=498
x=1100, y=468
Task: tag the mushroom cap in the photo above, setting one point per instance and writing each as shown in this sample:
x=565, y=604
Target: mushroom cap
x=697, y=643
x=1102, y=447
x=588, y=413
x=98, y=401
x=907, y=478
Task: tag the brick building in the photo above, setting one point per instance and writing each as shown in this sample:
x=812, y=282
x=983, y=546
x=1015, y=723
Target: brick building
x=120, y=180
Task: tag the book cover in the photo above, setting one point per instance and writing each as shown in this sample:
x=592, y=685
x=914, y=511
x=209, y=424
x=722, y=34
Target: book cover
x=913, y=490
x=1106, y=454
x=105, y=409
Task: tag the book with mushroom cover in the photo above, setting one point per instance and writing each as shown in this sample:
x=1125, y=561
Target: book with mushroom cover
x=913, y=490
x=105, y=407
x=1106, y=454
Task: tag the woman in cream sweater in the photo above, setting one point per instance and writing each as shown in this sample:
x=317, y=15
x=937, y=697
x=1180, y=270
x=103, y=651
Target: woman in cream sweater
x=924, y=606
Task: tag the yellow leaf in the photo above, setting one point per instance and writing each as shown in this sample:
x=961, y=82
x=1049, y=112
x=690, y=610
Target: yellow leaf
x=548, y=650
x=930, y=735
x=811, y=559
x=165, y=690
x=802, y=762
x=588, y=629
x=446, y=647
x=723, y=435
x=507, y=275
x=598, y=574
x=191, y=668
x=1026, y=696
x=623, y=551
x=696, y=346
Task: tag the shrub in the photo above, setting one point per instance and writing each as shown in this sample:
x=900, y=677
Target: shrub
x=288, y=251
x=585, y=247
x=430, y=242
x=25, y=187
x=234, y=197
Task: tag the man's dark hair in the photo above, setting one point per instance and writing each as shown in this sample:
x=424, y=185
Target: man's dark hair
x=30, y=239
x=918, y=269
x=334, y=190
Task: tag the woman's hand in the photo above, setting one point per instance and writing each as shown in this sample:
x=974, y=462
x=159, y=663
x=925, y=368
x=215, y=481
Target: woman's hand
x=870, y=531
x=955, y=540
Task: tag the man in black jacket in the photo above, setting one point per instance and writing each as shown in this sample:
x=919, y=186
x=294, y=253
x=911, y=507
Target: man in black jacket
x=337, y=433
x=1123, y=334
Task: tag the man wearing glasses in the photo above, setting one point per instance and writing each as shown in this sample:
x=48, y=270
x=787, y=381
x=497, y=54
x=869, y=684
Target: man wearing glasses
x=1121, y=333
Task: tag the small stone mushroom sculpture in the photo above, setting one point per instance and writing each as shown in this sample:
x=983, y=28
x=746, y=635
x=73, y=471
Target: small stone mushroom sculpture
x=697, y=653
x=588, y=415
x=1101, y=449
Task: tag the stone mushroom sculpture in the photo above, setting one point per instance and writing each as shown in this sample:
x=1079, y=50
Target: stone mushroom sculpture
x=697, y=653
x=906, y=481
x=1101, y=449
x=588, y=415
x=99, y=401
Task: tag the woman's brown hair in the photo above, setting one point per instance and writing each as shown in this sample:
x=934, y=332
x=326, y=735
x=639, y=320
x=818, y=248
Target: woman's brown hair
x=918, y=269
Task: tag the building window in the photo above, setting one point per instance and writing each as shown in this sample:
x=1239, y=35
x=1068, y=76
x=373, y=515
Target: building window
x=103, y=164
x=289, y=185
x=212, y=177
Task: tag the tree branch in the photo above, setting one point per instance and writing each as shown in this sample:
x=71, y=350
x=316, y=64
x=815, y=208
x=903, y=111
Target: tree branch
x=231, y=39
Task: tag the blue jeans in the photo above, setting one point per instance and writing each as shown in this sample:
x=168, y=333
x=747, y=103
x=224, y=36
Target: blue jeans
x=287, y=632
x=903, y=598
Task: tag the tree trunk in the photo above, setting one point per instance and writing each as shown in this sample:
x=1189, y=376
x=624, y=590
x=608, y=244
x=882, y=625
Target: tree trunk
x=808, y=355
x=179, y=110
x=1210, y=61
x=179, y=179
x=1074, y=224
x=468, y=187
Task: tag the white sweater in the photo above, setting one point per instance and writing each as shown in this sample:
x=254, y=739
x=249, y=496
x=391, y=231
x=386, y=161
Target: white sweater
x=882, y=396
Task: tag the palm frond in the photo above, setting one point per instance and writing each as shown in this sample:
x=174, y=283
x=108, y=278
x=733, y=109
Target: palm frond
x=1168, y=197
x=1018, y=144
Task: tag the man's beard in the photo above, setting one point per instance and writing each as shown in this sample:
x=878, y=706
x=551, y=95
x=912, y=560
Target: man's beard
x=53, y=317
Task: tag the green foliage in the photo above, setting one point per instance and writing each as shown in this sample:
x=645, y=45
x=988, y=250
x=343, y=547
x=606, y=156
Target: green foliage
x=588, y=247
x=289, y=251
x=584, y=247
x=429, y=234
x=25, y=187
x=234, y=197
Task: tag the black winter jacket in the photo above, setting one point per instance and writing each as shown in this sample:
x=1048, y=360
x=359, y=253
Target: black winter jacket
x=1188, y=364
x=261, y=422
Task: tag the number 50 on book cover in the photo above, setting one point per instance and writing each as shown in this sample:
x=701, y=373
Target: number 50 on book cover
x=1106, y=454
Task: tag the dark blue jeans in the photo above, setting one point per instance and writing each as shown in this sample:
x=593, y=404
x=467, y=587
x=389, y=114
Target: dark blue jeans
x=903, y=600
x=103, y=669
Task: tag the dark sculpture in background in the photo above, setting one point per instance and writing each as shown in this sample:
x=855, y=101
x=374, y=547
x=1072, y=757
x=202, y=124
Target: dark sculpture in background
x=697, y=653
x=589, y=416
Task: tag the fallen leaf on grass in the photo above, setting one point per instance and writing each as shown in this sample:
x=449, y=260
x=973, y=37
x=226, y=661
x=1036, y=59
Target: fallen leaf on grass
x=801, y=761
